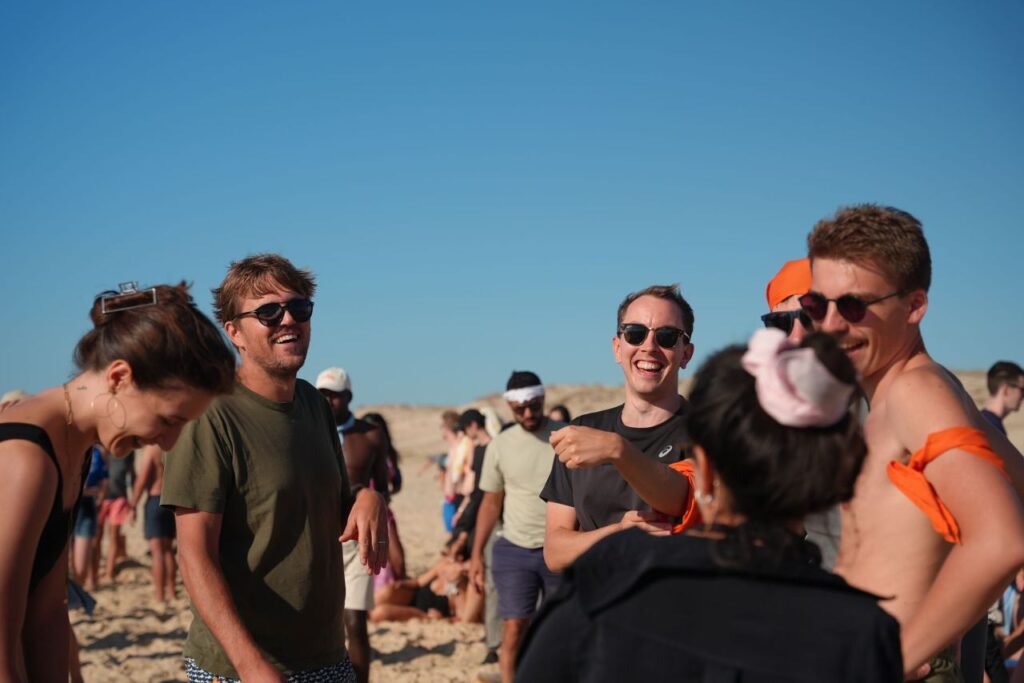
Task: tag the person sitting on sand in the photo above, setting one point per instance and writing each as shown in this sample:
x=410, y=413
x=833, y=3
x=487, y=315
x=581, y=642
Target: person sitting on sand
x=152, y=363
x=443, y=592
x=742, y=596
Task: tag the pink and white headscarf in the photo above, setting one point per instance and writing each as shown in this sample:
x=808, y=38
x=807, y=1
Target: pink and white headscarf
x=793, y=386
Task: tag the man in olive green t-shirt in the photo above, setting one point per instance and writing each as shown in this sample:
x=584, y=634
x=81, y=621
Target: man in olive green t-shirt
x=261, y=497
x=516, y=465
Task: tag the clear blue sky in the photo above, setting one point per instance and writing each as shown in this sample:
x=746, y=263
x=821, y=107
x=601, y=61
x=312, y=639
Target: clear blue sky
x=477, y=185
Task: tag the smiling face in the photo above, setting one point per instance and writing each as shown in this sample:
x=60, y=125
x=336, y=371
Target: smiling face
x=889, y=330
x=278, y=351
x=652, y=372
x=152, y=416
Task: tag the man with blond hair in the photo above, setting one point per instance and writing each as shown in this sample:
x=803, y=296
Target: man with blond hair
x=936, y=519
x=262, y=498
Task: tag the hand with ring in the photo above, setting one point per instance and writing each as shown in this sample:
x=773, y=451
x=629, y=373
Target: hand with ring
x=368, y=523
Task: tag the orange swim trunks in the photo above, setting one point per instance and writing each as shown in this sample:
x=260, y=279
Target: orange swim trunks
x=911, y=481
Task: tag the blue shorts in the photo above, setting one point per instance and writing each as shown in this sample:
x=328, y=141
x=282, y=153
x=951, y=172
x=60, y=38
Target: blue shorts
x=520, y=576
x=448, y=510
x=159, y=520
x=85, y=522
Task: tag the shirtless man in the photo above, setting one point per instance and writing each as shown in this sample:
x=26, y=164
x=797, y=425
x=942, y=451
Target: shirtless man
x=158, y=522
x=366, y=461
x=946, y=555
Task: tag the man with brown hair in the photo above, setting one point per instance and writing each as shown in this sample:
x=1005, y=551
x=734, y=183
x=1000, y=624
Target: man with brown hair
x=1005, y=381
x=262, y=499
x=624, y=466
x=935, y=521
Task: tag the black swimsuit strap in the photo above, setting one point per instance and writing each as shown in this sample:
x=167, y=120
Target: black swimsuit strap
x=58, y=523
x=22, y=431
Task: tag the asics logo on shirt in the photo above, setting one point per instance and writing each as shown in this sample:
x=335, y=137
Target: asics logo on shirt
x=665, y=451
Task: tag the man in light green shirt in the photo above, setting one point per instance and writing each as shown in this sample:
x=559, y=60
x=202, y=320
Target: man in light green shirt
x=516, y=466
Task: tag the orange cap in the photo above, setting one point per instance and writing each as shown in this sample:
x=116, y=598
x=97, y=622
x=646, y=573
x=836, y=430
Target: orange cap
x=793, y=278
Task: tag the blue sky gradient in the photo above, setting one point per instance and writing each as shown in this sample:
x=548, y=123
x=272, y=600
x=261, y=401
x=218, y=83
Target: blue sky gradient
x=477, y=186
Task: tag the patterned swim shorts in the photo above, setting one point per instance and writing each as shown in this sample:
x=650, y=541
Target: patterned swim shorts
x=335, y=673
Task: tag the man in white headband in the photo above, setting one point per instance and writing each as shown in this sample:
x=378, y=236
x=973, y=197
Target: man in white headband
x=624, y=467
x=516, y=465
x=936, y=521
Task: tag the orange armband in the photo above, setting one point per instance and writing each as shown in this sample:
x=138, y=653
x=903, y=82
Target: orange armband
x=911, y=481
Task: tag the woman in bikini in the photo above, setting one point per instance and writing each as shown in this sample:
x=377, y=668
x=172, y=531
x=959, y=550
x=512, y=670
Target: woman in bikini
x=151, y=363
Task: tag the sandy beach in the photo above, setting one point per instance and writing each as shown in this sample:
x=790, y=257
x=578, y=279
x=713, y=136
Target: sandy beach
x=132, y=638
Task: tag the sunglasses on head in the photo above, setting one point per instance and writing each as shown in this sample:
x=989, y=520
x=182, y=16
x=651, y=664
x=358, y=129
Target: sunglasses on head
x=272, y=314
x=666, y=337
x=784, y=320
x=851, y=307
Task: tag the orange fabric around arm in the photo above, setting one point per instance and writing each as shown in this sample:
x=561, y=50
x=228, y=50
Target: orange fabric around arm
x=691, y=516
x=911, y=481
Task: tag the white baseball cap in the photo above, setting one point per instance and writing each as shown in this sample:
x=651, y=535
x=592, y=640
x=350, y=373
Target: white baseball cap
x=334, y=379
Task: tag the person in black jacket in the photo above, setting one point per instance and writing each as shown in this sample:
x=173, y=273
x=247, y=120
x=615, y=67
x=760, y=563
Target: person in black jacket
x=743, y=597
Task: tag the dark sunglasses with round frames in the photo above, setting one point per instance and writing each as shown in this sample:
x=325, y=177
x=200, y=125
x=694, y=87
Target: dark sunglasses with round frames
x=850, y=306
x=784, y=320
x=666, y=337
x=271, y=314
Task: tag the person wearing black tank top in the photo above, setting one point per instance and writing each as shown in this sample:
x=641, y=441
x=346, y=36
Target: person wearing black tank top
x=151, y=363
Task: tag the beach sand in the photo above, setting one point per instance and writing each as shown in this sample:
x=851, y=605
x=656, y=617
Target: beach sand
x=131, y=638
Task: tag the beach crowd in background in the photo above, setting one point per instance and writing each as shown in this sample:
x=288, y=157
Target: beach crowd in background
x=827, y=503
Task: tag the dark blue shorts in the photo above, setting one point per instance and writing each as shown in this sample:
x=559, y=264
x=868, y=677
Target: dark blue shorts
x=85, y=522
x=520, y=576
x=159, y=520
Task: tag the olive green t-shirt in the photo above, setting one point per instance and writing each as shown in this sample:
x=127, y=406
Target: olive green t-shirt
x=518, y=462
x=275, y=472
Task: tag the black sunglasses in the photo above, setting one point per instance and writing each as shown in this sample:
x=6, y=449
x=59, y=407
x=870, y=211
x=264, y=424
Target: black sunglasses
x=535, y=406
x=784, y=320
x=851, y=307
x=272, y=314
x=666, y=337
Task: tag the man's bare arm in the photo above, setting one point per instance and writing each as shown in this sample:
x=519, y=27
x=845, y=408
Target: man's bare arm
x=486, y=519
x=564, y=542
x=659, y=486
x=985, y=506
x=199, y=557
x=359, y=456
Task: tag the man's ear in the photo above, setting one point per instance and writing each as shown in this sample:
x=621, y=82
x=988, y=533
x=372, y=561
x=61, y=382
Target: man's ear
x=705, y=472
x=617, y=349
x=918, y=300
x=687, y=354
x=233, y=333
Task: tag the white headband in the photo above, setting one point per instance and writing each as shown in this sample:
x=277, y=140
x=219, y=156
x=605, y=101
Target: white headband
x=524, y=394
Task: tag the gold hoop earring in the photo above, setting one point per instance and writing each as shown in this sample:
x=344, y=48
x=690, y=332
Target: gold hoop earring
x=113, y=404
